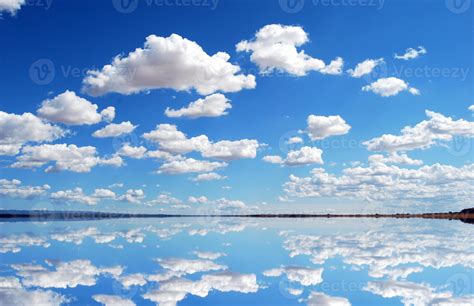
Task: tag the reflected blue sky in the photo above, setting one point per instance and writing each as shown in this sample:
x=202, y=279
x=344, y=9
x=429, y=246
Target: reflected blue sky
x=184, y=261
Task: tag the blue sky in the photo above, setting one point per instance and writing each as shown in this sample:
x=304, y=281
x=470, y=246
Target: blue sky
x=272, y=98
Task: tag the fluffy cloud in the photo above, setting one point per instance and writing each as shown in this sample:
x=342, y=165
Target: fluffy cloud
x=65, y=274
x=302, y=275
x=13, y=293
x=133, y=196
x=211, y=106
x=16, y=130
x=182, y=266
x=437, y=129
x=77, y=196
x=11, y=6
x=320, y=127
x=391, y=86
x=411, y=53
x=321, y=299
x=211, y=176
x=189, y=165
x=134, y=152
x=200, y=200
x=14, y=189
x=14, y=243
x=171, y=140
x=303, y=156
x=388, y=252
x=64, y=157
x=115, y=129
x=366, y=67
x=175, y=290
x=164, y=199
x=381, y=182
x=394, y=158
x=112, y=300
x=471, y=108
x=70, y=109
x=416, y=294
x=168, y=62
x=208, y=255
x=275, y=48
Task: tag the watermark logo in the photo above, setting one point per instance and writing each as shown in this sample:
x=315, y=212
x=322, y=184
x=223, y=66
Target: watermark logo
x=46, y=4
x=42, y=71
x=460, y=284
x=291, y=6
x=458, y=6
x=125, y=6
x=460, y=146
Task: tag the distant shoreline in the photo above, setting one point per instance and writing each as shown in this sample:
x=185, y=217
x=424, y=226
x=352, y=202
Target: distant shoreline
x=466, y=215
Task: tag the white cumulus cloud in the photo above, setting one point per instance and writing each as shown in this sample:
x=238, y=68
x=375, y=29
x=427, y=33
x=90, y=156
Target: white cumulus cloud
x=391, y=86
x=168, y=62
x=115, y=129
x=214, y=105
x=411, y=53
x=274, y=48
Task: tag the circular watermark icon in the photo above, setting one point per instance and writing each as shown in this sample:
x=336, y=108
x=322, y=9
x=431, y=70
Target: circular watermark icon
x=119, y=141
x=42, y=71
x=125, y=6
x=290, y=141
x=291, y=6
x=458, y=6
x=380, y=71
x=122, y=291
x=290, y=290
x=460, y=284
x=460, y=146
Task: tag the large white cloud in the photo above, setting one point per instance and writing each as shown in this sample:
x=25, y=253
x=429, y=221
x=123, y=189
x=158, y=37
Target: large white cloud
x=211, y=176
x=302, y=275
x=115, y=129
x=171, y=140
x=168, y=62
x=65, y=274
x=16, y=130
x=320, y=127
x=365, y=67
x=64, y=157
x=303, y=156
x=417, y=294
x=112, y=300
x=13, y=293
x=11, y=6
x=321, y=299
x=211, y=106
x=77, y=196
x=189, y=165
x=274, y=48
x=70, y=109
x=391, y=86
x=437, y=129
x=14, y=189
x=411, y=53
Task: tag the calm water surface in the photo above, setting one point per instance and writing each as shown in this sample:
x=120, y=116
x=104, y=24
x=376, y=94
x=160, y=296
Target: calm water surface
x=181, y=261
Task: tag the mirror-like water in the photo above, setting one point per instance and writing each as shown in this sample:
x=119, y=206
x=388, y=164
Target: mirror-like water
x=206, y=261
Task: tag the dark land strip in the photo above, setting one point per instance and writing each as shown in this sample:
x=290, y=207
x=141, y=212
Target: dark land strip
x=466, y=215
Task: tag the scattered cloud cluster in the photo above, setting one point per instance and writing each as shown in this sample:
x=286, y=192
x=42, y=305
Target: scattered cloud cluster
x=14, y=189
x=437, y=129
x=63, y=157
